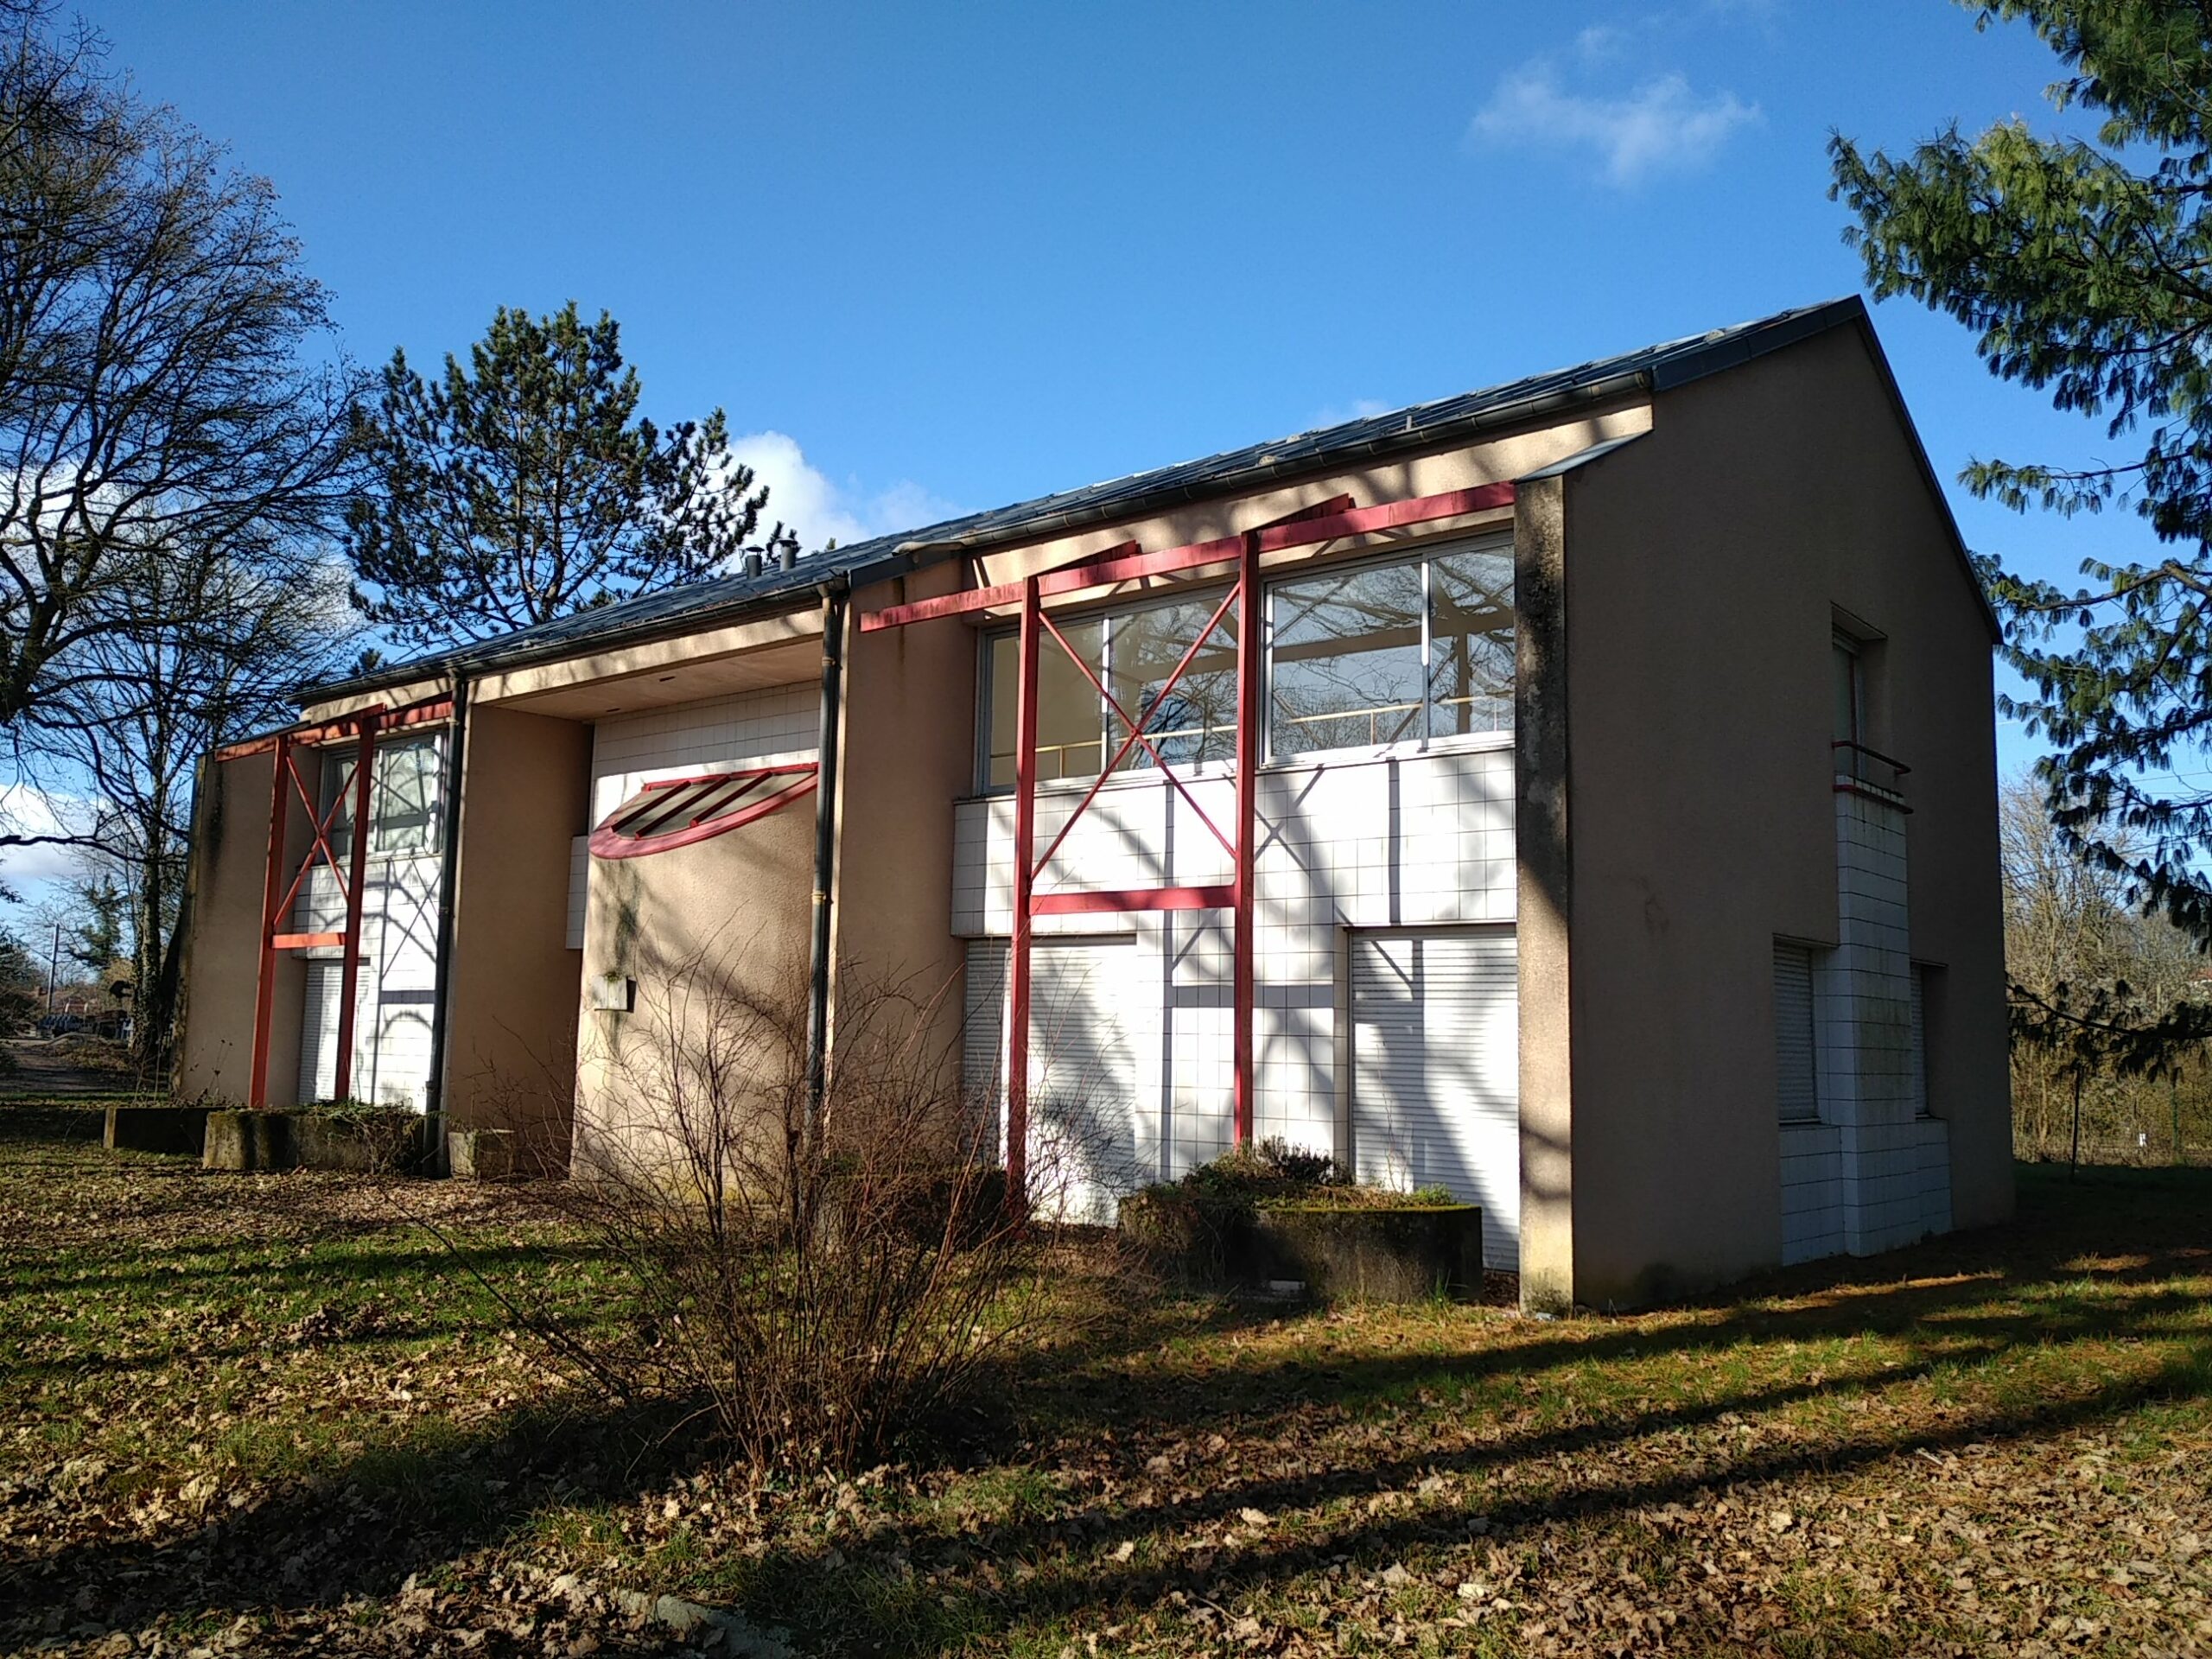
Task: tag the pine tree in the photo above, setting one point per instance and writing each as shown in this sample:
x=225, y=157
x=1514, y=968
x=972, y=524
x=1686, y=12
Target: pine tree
x=524, y=486
x=2084, y=265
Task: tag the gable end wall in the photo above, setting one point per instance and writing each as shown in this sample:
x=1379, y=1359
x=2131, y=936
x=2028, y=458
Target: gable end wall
x=1703, y=566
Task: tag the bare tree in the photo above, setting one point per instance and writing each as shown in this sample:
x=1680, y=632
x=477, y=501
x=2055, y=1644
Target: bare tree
x=814, y=1281
x=2108, y=1012
x=160, y=420
x=135, y=733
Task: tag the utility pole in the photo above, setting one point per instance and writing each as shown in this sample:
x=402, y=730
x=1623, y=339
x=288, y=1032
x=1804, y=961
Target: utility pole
x=53, y=968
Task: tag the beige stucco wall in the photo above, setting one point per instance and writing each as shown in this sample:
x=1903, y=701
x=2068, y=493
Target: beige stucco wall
x=230, y=852
x=1703, y=564
x=1544, y=898
x=726, y=916
x=510, y=978
x=908, y=753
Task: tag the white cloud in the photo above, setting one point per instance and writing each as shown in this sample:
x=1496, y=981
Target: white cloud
x=1359, y=408
x=28, y=811
x=1661, y=127
x=1601, y=41
x=819, y=508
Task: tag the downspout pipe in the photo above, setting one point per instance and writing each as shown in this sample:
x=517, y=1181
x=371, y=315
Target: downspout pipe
x=835, y=598
x=434, y=1088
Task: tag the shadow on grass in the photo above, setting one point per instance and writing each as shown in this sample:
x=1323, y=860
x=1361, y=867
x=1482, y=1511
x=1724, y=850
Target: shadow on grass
x=2089, y=1262
x=360, y=1526
x=2085, y=1263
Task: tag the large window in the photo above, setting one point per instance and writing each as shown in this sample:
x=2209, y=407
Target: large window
x=1411, y=651
x=403, y=798
x=1071, y=722
x=1133, y=653
x=1378, y=654
x=1195, y=722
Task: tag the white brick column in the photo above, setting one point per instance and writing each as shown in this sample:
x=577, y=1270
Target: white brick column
x=1894, y=1179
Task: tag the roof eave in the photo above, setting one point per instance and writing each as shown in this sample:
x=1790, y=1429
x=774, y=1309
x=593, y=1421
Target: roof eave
x=909, y=556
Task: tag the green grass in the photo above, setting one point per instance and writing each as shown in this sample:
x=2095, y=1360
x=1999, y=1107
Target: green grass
x=276, y=1398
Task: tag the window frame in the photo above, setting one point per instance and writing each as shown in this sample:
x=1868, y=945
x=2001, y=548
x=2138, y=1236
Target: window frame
x=337, y=777
x=1419, y=742
x=1210, y=594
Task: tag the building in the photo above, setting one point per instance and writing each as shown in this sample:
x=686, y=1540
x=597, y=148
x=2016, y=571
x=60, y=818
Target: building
x=1545, y=842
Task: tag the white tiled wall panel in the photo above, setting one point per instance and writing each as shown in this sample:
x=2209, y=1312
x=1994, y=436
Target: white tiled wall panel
x=396, y=987
x=1812, y=1186
x=1364, y=843
x=767, y=727
x=1874, y=1173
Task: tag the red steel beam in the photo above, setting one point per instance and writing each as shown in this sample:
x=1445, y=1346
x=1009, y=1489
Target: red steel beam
x=349, y=974
x=1104, y=572
x=1136, y=733
x=1121, y=900
x=318, y=826
x=420, y=713
x=1025, y=838
x=1250, y=688
x=1335, y=504
x=304, y=941
x=265, y=988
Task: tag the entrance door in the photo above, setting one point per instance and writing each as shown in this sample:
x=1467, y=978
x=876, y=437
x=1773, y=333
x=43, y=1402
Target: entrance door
x=1435, y=1091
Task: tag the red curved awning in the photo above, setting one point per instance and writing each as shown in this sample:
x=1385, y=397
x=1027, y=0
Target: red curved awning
x=680, y=812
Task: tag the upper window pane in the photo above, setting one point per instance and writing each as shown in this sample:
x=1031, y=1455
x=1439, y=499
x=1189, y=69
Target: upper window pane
x=1346, y=659
x=1470, y=643
x=1195, y=721
x=1849, y=697
x=404, y=797
x=1070, y=729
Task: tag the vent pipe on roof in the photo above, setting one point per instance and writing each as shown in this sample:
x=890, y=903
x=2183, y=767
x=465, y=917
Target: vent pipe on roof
x=788, y=557
x=751, y=566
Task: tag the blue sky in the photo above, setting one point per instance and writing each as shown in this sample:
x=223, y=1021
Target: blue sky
x=937, y=258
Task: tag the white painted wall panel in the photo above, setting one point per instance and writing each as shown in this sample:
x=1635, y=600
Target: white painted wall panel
x=397, y=983
x=1372, y=843
x=770, y=727
x=579, y=888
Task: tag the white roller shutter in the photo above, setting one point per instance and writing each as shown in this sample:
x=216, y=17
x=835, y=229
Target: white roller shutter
x=982, y=1033
x=1082, y=1129
x=1919, y=1041
x=319, y=1033
x=1435, y=1096
x=1796, y=1078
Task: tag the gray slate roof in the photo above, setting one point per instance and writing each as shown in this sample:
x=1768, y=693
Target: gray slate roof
x=1653, y=368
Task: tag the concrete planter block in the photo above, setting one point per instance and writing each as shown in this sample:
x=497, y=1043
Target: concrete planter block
x=480, y=1155
x=1383, y=1254
x=1375, y=1255
x=156, y=1129
x=368, y=1142
x=241, y=1142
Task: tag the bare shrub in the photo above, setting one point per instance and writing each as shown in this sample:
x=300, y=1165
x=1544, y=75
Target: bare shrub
x=816, y=1275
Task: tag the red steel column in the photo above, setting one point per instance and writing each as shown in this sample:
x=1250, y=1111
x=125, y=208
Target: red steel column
x=349, y=976
x=265, y=993
x=1250, y=691
x=1025, y=880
